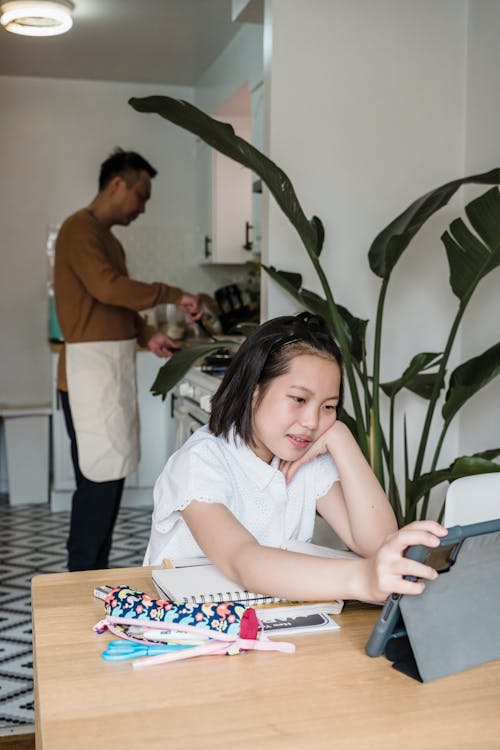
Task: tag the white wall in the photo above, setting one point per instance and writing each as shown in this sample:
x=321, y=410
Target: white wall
x=479, y=426
x=240, y=62
x=55, y=134
x=366, y=108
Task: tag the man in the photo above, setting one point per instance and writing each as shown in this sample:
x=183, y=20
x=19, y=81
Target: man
x=97, y=307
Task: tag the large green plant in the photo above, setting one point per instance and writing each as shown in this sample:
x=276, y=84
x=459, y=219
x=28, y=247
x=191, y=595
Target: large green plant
x=471, y=256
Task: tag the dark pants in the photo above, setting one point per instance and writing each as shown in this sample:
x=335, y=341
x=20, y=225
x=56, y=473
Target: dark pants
x=93, y=511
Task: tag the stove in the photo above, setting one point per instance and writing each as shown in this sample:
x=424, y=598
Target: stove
x=217, y=363
x=198, y=387
x=191, y=403
x=218, y=372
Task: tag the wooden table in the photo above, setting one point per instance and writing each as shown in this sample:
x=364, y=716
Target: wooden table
x=328, y=694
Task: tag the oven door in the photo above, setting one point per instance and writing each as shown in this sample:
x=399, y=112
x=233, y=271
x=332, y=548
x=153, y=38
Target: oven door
x=188, y=418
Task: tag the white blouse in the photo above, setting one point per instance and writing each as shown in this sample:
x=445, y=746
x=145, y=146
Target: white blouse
x=215, y=470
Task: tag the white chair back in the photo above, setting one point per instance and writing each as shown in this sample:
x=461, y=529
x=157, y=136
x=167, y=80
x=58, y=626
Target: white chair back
x=473, y=499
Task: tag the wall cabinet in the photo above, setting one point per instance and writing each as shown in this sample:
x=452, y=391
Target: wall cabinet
x=225, y=202
x=157, y=441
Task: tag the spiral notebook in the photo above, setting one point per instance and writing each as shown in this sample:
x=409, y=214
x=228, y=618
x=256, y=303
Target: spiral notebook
x=202, y=584
x=196, y=580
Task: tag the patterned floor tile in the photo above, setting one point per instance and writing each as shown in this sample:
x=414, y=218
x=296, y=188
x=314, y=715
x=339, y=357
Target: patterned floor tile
x=17, y=708
x=33, y=541
x=18, y=660
x=14, y=590
x=13, y=625
x=9, y=573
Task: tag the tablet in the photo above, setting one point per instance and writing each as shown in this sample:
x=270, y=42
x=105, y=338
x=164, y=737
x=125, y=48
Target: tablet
x=390, y=624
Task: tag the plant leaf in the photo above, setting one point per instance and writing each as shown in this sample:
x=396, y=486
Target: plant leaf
x=483, y=214
x=478, y=463
x=310, y=300
x=315, y=303
x=354, y=328
x=180, y=362
x=469, y=258
x=391, y=242
x=409, y=378
x=320, y=234
x=356, y=332
x=469, y=378
x=423, y=385
x=295, y=279
x=222, y=137
x=319, y=306
x=488, y=454
x=283, y=279
x=291, y=283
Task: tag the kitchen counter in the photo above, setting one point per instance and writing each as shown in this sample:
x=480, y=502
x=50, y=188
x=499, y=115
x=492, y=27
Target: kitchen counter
x=57, y=346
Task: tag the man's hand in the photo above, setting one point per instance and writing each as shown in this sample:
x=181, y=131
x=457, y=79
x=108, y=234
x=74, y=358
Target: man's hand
x=191, y=305
x=162, y=345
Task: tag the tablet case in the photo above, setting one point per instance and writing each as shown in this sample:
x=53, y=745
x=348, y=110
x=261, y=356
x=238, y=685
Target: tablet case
x=455, y=623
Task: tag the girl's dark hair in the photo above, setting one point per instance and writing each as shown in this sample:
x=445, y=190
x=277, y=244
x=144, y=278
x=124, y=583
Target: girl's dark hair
x=266, y=354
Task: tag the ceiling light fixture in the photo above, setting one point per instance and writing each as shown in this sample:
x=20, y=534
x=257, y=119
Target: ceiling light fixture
x=37, y=17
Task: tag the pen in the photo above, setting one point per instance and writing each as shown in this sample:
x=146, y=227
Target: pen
x=161, y=636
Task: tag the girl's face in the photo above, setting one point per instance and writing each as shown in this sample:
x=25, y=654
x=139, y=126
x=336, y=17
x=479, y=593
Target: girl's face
x=297, y=408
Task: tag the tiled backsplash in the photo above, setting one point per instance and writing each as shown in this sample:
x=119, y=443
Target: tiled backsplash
x=171, y=255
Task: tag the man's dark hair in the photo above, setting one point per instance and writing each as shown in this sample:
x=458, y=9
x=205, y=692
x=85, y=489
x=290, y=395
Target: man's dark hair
x=126, y=164
x=266, y=354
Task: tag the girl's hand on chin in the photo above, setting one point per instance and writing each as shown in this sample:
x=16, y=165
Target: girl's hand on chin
x=318, y=447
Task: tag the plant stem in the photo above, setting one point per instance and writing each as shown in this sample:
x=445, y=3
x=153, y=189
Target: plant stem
x=377, y=452
x=365, y=385
x=438, y=383
x=435, y=458
x=390, y=461
x=361, y=371
x=349, y=369
x=407, y=470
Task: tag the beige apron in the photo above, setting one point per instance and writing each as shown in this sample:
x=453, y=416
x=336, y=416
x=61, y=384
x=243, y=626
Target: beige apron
x=103, y=399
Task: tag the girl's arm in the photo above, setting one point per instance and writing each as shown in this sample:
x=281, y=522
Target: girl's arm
x=356, y=507
x=357, y=501
x=294, y=576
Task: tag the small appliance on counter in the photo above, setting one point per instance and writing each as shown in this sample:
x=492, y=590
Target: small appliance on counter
x=232, y=308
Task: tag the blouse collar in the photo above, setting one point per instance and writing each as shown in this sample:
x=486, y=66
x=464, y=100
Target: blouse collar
x=258, y=470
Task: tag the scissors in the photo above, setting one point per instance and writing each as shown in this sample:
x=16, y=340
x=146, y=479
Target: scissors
x=119, y=650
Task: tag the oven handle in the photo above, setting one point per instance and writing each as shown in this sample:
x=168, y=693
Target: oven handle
x=196, y=419
x=181, y=411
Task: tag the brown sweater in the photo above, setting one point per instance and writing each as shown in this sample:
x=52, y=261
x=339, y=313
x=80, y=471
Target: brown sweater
x=95, y=298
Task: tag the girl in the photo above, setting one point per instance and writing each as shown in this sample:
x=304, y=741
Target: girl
x=273, y=454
